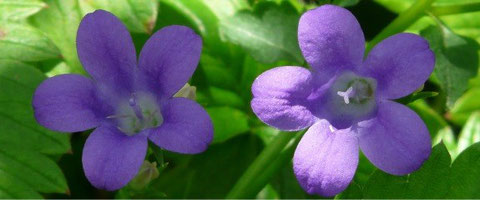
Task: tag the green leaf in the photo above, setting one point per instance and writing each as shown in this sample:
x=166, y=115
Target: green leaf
x=364, y=170
x=24, y=171
x=25, y=43
x=448, y=138
x=208, y=175
x=251, y=69
x=470, y=133
x=225, y=98
x=465, y=177
x=60, y=21
x=268, y=192
x=217, y=73
x=11, y=188
x=399, y=6
x=34, y=169
x=267, y=133
x=268, y=34
x=205, y=16
x=385, y=186
x=17, y=85
x=353, y=191
x=456, y=60
x=463, y=24
x=432, y=119
x=286, y=184
x=15, y=10
x=465, y=106
x=427, y=182
x=227, y=122
x=138, y=15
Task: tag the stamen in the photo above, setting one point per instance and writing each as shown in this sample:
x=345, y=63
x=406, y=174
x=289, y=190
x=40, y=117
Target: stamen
x=117, y=116
x=331, y=128
x=346, y=95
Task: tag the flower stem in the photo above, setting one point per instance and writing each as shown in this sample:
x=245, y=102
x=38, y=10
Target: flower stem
x=402, y=22
x=455, y=9
x=275, y=155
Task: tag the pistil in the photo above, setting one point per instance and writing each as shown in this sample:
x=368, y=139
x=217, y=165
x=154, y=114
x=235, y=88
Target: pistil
x=346, y=95
x=136, y=109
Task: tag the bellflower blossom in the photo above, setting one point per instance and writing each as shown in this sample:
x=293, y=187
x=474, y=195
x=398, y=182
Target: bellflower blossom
x=127, y=102
x=347, y=101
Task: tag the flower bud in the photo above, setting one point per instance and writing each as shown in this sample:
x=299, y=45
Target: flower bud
x=148, y=172
x=187, y=91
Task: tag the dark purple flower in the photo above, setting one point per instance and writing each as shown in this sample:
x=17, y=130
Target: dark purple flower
x=127, y=102
x=347, y=101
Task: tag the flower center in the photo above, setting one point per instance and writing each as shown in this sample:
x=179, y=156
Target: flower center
x=360, y=91
x=350, y=98
x=138, y=113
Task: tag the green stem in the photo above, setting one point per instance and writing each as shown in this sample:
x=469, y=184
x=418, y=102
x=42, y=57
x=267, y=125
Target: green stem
x=455, y=9
x=276, y=154
x=402, y=22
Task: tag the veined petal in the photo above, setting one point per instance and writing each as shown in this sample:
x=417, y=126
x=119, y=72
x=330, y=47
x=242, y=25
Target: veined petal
x=186, y=128
x=66, y=103
x=106, y=51
x=325, y=161
x=111, y=159
x=396, y=141
x=331, y=39
x=280, y=98
x=169, y=58
x=400, y=64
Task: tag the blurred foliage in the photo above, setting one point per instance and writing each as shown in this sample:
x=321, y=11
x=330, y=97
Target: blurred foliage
x=242, y=39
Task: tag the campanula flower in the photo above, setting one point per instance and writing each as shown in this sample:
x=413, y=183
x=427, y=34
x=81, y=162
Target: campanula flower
x=347, y=101
x=127, y=102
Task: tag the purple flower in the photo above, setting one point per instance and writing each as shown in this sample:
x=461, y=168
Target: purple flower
x=127, y=102
x=347, y=101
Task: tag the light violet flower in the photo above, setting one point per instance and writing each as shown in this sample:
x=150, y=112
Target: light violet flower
x=347, y=101
x=127, y=102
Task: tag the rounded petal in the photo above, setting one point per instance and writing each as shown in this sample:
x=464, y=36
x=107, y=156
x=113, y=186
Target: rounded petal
x=400, y=64
x=280, y=98
x=396, y=141
x=111, y=159
x=186, y=127
x=325, y=161
x=331, y=39
x=106, y=50
x=170, y=57
x=66, y=103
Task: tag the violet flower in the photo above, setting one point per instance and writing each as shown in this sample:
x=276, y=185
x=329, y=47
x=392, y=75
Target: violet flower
x=347, y=101
x=127, y=103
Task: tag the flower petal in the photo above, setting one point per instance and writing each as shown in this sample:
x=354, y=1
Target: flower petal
x=66, y=103
x=331, y=39
x=280, y=98
x=186, y=127
x=396, y=141
x=170, y=57
x=325, y=161
x=400, y=64
x=111, y=159
x=106, y=51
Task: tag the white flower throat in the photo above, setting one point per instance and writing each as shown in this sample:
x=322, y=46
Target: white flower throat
x=139, y=112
